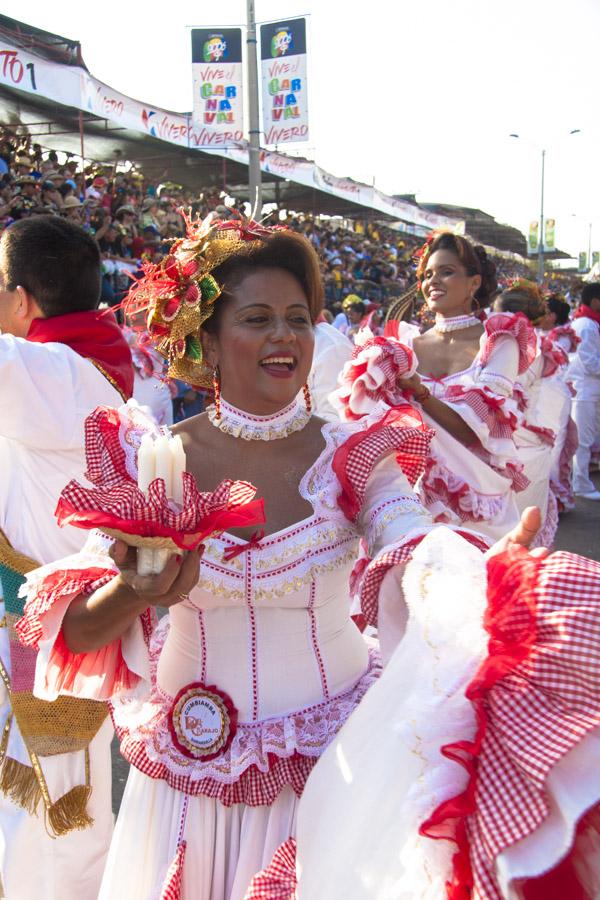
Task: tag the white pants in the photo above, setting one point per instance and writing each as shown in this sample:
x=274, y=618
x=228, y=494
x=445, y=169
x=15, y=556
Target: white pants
x=36, y=866
x=586, y=415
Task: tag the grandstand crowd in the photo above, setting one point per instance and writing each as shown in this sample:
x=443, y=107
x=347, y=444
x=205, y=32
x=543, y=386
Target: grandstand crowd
x=133, y=218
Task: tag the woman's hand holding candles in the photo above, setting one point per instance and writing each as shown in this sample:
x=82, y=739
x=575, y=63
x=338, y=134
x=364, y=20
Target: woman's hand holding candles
x=163, y=457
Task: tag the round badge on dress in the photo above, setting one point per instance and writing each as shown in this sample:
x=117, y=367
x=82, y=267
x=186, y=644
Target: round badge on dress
x=203, y=721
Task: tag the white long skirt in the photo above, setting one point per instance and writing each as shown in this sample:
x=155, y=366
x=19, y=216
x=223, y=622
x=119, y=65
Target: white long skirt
x=226, y=846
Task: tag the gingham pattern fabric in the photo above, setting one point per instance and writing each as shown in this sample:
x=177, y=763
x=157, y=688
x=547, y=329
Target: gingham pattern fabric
x=253, y=788
x=546, y=435
x=487, y=406
x=278, y=880
x=372, y=375
x=553, y=355
x=400, y=553
x=538, y=711
x=171, y=889
x=117, y=502
x=56, y=586
x=565, y=331
x=517, y=326
x=401, y=430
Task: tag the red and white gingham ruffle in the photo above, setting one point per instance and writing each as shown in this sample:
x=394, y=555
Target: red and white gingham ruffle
x=263, y=757
x=395, y=555
x=562, y=331
x=440, y=485
x=492, y=410
x=278, y=881
x=553, y=355
x=537, y=695
x=171, y=889
x=517, y=326
x=117, y=503
x=400, y=429
x=53, y=587
x=371, y=376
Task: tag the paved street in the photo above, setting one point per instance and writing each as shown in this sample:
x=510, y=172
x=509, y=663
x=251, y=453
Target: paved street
x=579, y=532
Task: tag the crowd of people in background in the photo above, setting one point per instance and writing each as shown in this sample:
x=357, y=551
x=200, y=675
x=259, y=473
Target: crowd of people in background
x=365, y=265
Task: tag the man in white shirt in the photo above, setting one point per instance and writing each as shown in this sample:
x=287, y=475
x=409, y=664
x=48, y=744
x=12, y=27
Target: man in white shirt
x=584, y=373
x=59, y=359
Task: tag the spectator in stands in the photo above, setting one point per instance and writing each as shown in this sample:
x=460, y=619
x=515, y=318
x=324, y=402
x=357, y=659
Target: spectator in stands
x=72, y=210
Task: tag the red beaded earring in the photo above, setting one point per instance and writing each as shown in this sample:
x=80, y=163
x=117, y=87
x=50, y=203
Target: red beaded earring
x=216, y=383
x=307, y=398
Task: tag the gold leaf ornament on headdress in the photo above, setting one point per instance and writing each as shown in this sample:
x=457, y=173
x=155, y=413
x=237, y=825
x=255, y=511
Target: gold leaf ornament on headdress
x=179, y=293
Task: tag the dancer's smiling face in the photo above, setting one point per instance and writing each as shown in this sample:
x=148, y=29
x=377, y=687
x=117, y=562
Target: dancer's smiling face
x=264, y=342
x=446, y=286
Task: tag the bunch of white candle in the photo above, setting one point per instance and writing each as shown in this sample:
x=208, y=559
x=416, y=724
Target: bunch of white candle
x=163, y=457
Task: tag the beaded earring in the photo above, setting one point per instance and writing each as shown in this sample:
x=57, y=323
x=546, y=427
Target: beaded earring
x=307, y=398
x=216, y=383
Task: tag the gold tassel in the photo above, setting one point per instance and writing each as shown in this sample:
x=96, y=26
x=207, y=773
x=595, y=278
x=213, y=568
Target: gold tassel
x=69, y=811
x=20, y=783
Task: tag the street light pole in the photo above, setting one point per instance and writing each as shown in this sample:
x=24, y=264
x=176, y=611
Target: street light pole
x=254, y=174
x=542, y=230
x=590, y=247
x=541, y=235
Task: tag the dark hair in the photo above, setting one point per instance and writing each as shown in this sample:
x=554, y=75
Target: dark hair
x=357, y=306
x=281, y=250
x=560, y=308
x=524, y=298
x=57, y=262
x=475, y=260
x=590, y=292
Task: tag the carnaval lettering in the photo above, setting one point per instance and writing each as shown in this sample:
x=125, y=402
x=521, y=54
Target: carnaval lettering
x=284, y=82
x=218, y=93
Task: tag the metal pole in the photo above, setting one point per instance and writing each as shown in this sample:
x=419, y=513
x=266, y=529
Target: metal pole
x=254, y=130
x=590, y=248
x=81, y=140
x=542, y=235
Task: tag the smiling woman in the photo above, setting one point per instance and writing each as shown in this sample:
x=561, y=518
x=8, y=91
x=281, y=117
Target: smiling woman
x=467, y=367
x=225, y=711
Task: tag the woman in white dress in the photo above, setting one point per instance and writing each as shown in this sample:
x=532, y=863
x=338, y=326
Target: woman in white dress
x=541, y=406
x=466, y=370
x=560, y=336
x=259, y=627
x=262, y=622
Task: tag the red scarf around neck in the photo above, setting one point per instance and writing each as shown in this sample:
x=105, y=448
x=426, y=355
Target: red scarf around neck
x=95, y=335
x=586, y=312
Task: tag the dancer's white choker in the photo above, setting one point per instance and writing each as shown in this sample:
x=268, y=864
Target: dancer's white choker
x=455, y=323
x=240, y=424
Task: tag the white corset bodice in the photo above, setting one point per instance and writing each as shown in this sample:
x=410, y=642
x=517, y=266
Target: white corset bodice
x=271, y=626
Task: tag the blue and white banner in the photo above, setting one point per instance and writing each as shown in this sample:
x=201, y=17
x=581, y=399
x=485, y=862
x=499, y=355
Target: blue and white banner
x=284, y=87
x=217, y=72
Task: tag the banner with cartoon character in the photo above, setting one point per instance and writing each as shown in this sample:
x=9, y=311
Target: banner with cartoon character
x=284, y=89
x=534, y=236
x=218, y=85
x=549, y=238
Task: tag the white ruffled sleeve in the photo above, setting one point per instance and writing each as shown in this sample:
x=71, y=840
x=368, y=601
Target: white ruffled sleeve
x=121, y=667
x=487, y=398
x=391, y=509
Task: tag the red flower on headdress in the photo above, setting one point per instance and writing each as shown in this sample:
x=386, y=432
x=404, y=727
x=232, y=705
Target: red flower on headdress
x=248, y=231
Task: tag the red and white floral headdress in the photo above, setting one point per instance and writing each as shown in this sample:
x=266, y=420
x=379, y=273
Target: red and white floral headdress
x=179, y=293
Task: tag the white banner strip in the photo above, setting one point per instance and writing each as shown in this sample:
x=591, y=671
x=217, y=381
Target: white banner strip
x=74, y=87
